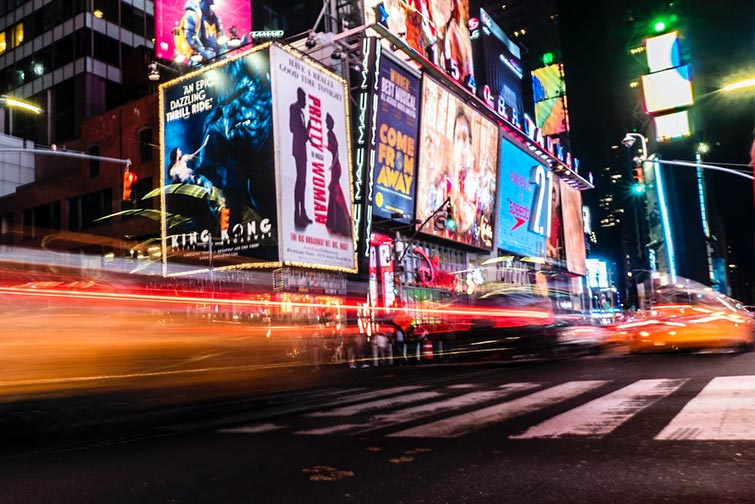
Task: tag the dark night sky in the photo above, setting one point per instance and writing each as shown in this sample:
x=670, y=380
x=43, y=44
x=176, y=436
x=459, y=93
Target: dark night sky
x=719, y=38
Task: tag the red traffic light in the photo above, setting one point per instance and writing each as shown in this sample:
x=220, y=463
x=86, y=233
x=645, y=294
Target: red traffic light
x=225, y=218
x=129, y=179
x=639, y=175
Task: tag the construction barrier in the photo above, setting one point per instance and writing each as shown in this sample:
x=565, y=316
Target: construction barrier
x=427, y=349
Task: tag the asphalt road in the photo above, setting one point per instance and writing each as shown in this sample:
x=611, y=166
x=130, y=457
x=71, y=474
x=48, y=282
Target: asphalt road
x=611, y=428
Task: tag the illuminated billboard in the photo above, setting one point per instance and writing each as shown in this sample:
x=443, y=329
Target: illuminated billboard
x=396, y=130
x=555, y=249
x=312, y=140
x=670, y=126
x=218, y=164
x=597, y=274
x=199, y=28
x=498, y=69
x=574, y=232
x=667, y=89
x=438, y=30
x=662, y=51
x=457, y=162
x=549, y=94
x=520, y=201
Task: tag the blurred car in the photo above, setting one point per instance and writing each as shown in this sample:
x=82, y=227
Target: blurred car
x=693, y=319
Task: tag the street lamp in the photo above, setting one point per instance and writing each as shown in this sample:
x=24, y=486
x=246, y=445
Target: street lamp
x=15, y=103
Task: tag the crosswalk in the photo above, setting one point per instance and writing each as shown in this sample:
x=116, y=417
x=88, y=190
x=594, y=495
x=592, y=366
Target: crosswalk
x=723, y=410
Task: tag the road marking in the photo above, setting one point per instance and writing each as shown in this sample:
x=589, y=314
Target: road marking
x=601, y=416
x=723, y=411
x=378, y=404
x=333, y=429
x=470, y=399
x=466, y=422
x=252, y=429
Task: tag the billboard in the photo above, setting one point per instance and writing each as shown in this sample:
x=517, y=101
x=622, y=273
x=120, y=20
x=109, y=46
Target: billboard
x=518, y=200
x=673, y=125
x=597, y=274
x=667, y=89
x=313, y=151
x=217, y=159
x=396, y=130
x=498, y=69
x=202, y=27
x=662, y=51
x=457, y=162
x=555, y=249
x=549, y=93
x=574, y=231
x=436, y=29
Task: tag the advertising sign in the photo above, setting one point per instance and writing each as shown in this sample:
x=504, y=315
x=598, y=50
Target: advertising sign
x=312, y=145
x=204, y=28
x=457, y=163
x=518, y=201
x=549, y=93
x=217, y=156
x=436, y=29
x=498, y=69
x=667, y=89
x=555, y=250
x=574, y=232
x=597, y=274
x=396, y=129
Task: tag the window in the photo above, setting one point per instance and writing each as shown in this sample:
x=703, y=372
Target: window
x=94, y=164
x=83, y=210
x=145, y=145
x=3, y=43
x=18, y=34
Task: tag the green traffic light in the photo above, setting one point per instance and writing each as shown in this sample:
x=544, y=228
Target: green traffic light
x=638, y=188
x=450, y=224
x=659, y=25
x=547, y=58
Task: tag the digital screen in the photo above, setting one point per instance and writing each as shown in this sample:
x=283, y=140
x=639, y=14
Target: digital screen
x=218, y=204
x=662, y=52
x=551, y=116
x=498, y=69
x=574, y=232
x=203, y=27
x=314, y=163
x=667, y=89
x=555, y=249
x=548, y=82
x=396, y=131
x=520, y=200
x=436, y=29
x=674, y=125
x=597, y=274
x=457, y=162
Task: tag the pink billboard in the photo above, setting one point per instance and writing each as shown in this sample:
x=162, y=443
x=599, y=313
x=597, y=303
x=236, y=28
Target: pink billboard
x=193, y=31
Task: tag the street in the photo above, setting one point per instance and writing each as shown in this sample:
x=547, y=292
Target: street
x=607, y=428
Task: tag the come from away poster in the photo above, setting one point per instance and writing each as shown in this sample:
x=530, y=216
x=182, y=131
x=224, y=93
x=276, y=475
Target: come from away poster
x=396, y=129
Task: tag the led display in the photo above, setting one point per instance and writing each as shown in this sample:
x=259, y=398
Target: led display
x=200, y=28
x=662, y=52
x=574, y=233
x=674, y=125
x=436, y=29
x=667, y=89
x=396, y=131
x=457, y=162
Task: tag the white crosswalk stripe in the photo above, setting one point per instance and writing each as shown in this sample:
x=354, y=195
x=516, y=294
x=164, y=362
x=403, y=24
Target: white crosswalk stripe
x=355, y=409
x=601, y=416
x=461, y=424
x=723, y=411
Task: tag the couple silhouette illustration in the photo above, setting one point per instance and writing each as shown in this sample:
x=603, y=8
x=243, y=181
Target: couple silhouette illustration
x=338, y=219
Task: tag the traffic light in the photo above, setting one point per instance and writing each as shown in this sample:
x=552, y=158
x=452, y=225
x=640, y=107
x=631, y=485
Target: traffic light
x=225, y=218
x=639, y=180
x=445, y=220
x=129, y=179
x=450, y=221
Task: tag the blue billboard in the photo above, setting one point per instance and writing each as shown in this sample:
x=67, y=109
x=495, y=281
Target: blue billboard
x=522, y=202
x=396, y=128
